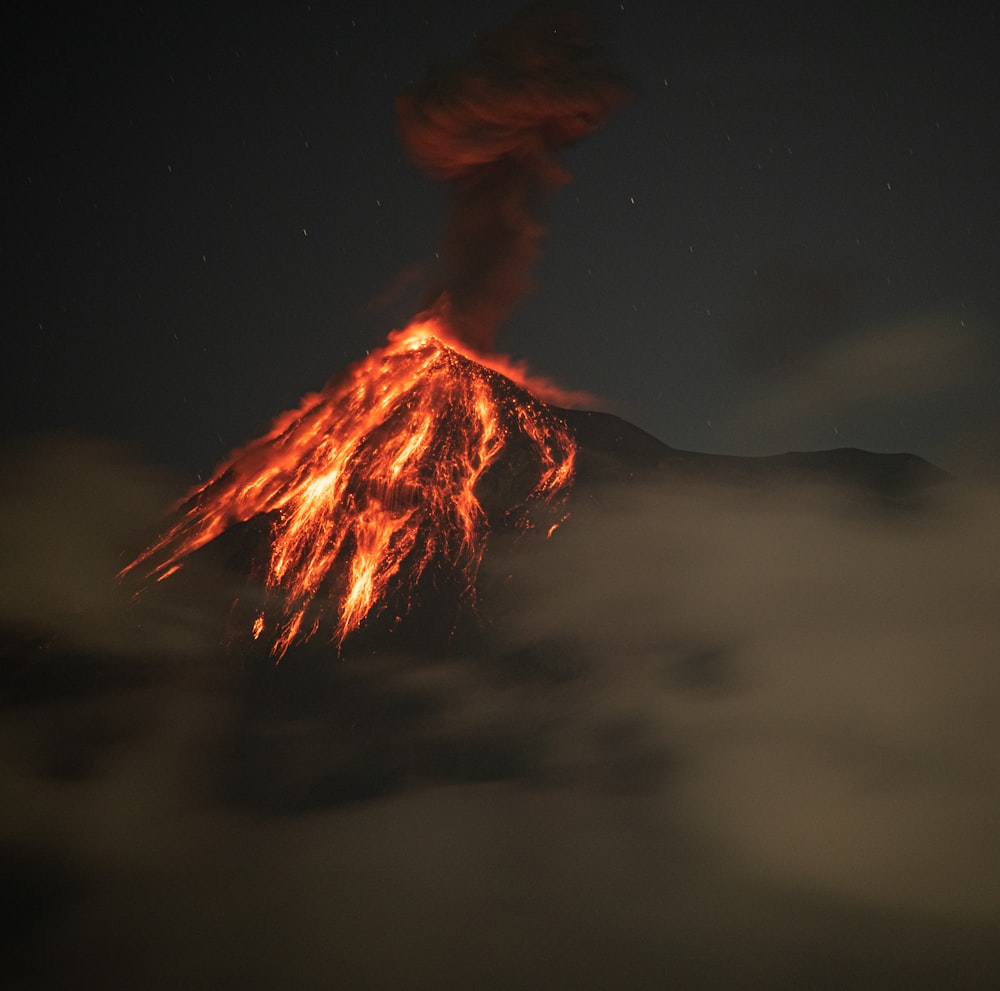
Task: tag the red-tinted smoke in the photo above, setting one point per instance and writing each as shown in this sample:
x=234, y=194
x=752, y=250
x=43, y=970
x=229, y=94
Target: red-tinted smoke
x=492, y=126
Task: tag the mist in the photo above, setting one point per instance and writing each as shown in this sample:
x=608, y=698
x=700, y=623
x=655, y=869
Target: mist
x=822, y=670
x=717, y=736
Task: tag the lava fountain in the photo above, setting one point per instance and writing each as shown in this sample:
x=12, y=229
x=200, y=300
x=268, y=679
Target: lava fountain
x=378, y=477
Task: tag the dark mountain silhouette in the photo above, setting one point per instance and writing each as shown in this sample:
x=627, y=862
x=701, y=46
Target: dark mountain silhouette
x=614, y=450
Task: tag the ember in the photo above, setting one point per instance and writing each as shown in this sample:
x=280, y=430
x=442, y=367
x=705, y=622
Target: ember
x=377, y=478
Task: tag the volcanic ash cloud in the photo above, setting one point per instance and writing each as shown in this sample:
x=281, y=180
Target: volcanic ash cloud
x=492, y=126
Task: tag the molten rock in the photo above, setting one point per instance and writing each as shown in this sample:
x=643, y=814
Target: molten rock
x=392, y=471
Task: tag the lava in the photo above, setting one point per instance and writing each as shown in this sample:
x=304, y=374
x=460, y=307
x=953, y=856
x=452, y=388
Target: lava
x=397, y=470
x=379, y=477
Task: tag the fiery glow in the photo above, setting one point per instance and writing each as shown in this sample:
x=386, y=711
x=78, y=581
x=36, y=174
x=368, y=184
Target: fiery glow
x=379, y=476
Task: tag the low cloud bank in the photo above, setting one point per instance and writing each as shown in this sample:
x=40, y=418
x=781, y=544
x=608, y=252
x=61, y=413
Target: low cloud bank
x=720, y=737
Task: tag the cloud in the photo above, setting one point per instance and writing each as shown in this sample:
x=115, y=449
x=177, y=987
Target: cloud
x=906, y=360
x=825, y=676
x=735, y=736
x=876, y=387
x=71, y=509
x=787, y=311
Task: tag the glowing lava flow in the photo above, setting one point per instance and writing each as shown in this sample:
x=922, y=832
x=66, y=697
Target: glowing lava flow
x=377, y=477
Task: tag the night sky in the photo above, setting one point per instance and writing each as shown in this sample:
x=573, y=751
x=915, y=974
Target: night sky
x=786, y=241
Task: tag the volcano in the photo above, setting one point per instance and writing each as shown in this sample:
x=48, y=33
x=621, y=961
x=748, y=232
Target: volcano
x=378, y=495
x=396, y=470
x=369, y=508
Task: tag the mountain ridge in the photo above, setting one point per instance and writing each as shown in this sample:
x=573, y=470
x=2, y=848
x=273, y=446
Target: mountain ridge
x=612, y=449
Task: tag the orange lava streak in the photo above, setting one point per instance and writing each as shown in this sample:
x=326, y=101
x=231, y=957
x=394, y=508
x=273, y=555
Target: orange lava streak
x=376, y=477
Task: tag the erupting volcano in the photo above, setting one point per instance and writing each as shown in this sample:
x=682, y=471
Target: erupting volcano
x=380, y=479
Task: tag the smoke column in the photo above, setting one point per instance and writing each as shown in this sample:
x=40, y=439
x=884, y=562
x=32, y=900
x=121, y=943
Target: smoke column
x=492, y=126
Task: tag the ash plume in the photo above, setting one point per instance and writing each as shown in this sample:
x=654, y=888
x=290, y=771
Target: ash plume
x=492, y=126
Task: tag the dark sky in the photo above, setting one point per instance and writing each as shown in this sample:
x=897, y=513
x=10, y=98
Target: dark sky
x=787, y=241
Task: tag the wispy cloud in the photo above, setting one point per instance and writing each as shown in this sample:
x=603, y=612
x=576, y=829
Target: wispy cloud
x=906, y=360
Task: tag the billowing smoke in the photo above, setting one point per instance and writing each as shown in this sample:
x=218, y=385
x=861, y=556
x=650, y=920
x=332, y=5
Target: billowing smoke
x=492, y=126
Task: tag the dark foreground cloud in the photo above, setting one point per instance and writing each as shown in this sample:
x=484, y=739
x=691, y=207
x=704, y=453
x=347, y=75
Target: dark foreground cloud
x=721, y=737
x=492, y=126
x=827, y=677
x=72, y=511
